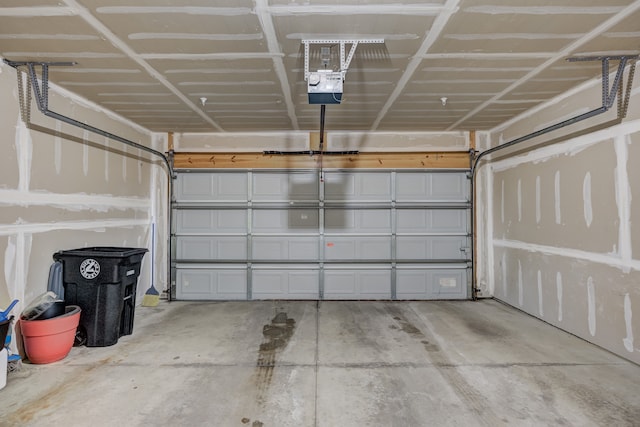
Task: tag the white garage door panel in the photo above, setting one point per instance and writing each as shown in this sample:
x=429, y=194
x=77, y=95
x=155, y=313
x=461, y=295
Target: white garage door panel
x=356, y=283
x=449, y=283
x=441, y=283
x=204, y=221
x=297, y=248
x=285, y=221
x=284, y=187
x=358, y=220
x=347, y=248
x=358, y=187
x=212, y=284
x=431, y=247
x=212, y=248
x=414, y=186
x=204, y=187
x=286, y=284
x=449, y=186
x=431, y=221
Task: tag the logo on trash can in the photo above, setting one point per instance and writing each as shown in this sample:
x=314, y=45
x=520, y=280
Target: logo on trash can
x=90, y=268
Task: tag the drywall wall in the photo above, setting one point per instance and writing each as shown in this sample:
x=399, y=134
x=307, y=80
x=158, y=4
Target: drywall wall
x=60, y=188
x=335, y=141
x=557, y=237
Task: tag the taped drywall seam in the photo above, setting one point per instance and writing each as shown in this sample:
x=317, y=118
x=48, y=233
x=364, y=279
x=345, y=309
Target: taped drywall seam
x=25, y=240
x=158, y=214
x=106, y=151
x=538, y=213
x=586, y=196
x=488, y=236
x=195, y=36
x=306, y=9
x=501, y=201
x=57, y=148
x=544, y=10
x=10, y=266
x=13, y=269
x=628, y=340
x=570, y=147
x=139, y=166
x=504, y=274
x=483, y=141
x=540, y=296
x=162, y=228
x=487, y=56
x=482, y=245
x=124, y=164
x=623, y=199
x=591, y=302
x=39, y=11
x=99, y=226
x=557, y=204
x=85, y=152
x=559, y=292
x=520, y=285
x=519, y=194
x=208, y=57
x=24, y=150
x=188, y=10
x=16, y=259
x=611, y=260
x=72, y=202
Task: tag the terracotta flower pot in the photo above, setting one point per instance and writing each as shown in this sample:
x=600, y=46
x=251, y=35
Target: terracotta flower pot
x=47, y=341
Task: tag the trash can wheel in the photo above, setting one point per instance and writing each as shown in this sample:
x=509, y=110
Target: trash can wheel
x=80, y=338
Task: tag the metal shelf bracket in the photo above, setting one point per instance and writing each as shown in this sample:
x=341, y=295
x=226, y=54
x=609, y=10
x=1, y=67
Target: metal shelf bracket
x=345, y=59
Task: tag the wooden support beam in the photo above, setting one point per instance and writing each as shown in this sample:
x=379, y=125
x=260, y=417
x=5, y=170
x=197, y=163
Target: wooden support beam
x=170, y=141
x=314, y=141
x=379, y=160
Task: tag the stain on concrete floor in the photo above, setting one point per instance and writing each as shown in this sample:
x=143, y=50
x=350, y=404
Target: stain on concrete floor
x=276, y=338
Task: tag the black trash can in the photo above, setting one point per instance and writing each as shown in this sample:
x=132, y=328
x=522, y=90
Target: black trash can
x=102, y=281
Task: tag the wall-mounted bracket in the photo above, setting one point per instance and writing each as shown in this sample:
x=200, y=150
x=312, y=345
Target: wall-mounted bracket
x=41, y=92
x=345, y=59
x=609, y=94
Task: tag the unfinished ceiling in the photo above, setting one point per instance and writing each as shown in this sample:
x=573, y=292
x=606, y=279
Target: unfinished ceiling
x=151, y=61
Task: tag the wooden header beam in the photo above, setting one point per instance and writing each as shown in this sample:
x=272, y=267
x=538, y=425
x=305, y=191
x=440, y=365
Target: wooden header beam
x=371, y=160
x=170, y=141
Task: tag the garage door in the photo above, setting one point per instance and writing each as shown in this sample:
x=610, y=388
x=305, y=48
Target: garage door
x=243, y=235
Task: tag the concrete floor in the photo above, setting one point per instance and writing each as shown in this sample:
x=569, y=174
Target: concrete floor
x=330, y=364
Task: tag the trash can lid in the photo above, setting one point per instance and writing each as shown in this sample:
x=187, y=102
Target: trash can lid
x=103, y=251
